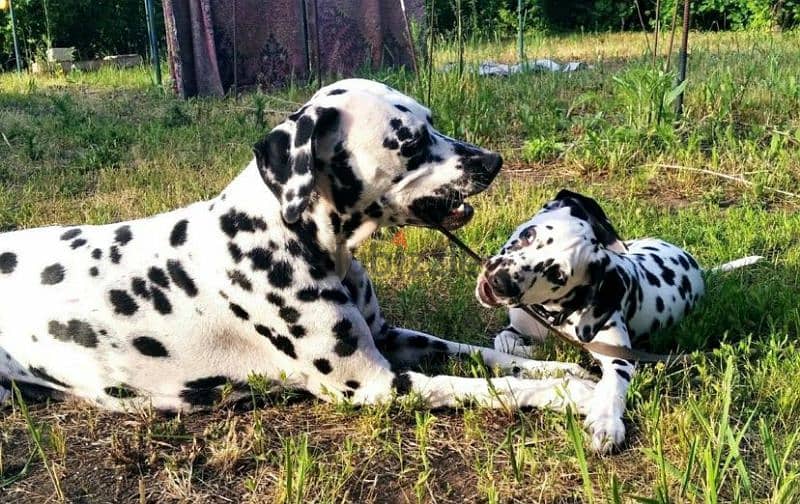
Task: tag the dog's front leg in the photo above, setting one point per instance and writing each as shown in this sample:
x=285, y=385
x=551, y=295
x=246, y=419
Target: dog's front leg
x=607, y=407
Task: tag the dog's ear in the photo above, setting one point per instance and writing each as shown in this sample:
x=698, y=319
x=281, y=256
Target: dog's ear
x=586, y=208
x=286, y=157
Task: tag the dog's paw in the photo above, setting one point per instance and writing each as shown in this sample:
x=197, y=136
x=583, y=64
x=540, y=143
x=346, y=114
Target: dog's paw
x=514, y=344
x=608, y=432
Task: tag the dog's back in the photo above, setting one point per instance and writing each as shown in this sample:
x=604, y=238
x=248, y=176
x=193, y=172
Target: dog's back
x=670, y=282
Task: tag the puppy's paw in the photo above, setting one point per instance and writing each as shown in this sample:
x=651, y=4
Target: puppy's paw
x=514, y=344
x=608, y=432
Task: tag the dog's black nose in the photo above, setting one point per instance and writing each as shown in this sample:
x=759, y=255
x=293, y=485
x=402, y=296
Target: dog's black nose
x=504, y=285
x=492, y=161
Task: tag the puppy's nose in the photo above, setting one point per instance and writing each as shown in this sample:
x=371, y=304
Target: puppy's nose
x=503, y=284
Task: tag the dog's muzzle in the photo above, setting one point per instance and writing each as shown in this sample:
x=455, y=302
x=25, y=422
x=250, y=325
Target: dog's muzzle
x=450, y=210
x=497, y=288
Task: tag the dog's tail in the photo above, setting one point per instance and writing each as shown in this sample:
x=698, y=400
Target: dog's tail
x=736, y=264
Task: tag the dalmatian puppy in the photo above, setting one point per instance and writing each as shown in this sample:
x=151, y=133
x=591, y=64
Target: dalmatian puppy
x=570, y=263
x=177, y=310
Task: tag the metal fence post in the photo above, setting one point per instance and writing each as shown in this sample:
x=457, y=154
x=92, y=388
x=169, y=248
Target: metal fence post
x=682, y=58
x=151, y=30
x=14, y=36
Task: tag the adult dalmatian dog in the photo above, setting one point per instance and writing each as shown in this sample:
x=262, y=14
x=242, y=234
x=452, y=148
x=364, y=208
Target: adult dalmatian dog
x=172, y=310
x=569, y=264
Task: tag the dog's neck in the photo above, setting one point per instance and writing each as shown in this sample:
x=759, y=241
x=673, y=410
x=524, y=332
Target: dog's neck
x=335, y=234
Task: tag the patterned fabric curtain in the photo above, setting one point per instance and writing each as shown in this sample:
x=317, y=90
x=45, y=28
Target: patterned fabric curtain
x=217, y=45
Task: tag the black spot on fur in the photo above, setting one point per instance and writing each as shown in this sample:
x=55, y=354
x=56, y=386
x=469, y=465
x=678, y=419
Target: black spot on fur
x=623, y=374
x=651, y=278
x=318, y=260
x=239, y=311
x=352, y=224
x=160, y=301
x=8, y=262
x=123, y=235
x=114, y=254
x=280, y=275
x=41, y=373
x=123, y=303
x=260, y=258
x=297, y=331
x=374, y=210
x=206, y=382
x=346, y=343
x=323, y=366
x=139, y=287
x=390, y=143
x=308, y=294
x=232, y=222
x=158, y=277
x=239, y=278
x=353, y=384
x=178, y=235
x=70, y=234
x=335, y=296
x=276, y=299
x=235, y=251
x=77, y=243
x=53, y=274
x=181, y=278
x=97, y=254
x=305, y=127
x=94, y=271
x=201, y=398
x=294, y=248
x=336, y=222
x=337, y=92
x=150, y=347
x=280, y=342
x=402, y=384
x=120, y=391
x=659, y=304
x=74, y=330
x=347, y=188
x=289, y=314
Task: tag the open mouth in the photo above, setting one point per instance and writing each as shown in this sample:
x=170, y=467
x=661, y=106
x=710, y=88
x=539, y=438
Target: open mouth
x=449, y=212
x=485, y=294
x=458, y=217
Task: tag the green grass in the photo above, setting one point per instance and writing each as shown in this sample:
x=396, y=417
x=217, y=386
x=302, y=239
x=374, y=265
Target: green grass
x=107, y=146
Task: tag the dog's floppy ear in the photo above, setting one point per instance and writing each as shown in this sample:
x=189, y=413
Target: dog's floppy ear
x=286, y=157
x=586, y=208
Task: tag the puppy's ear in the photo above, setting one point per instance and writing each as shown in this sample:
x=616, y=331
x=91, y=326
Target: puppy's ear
x=586, y=208
x=286, y=157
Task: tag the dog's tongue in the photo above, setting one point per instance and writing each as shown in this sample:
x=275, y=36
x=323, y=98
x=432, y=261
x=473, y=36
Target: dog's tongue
x=458, y=217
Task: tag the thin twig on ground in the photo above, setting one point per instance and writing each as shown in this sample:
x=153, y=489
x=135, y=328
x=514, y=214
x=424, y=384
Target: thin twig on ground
x=734, y=178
